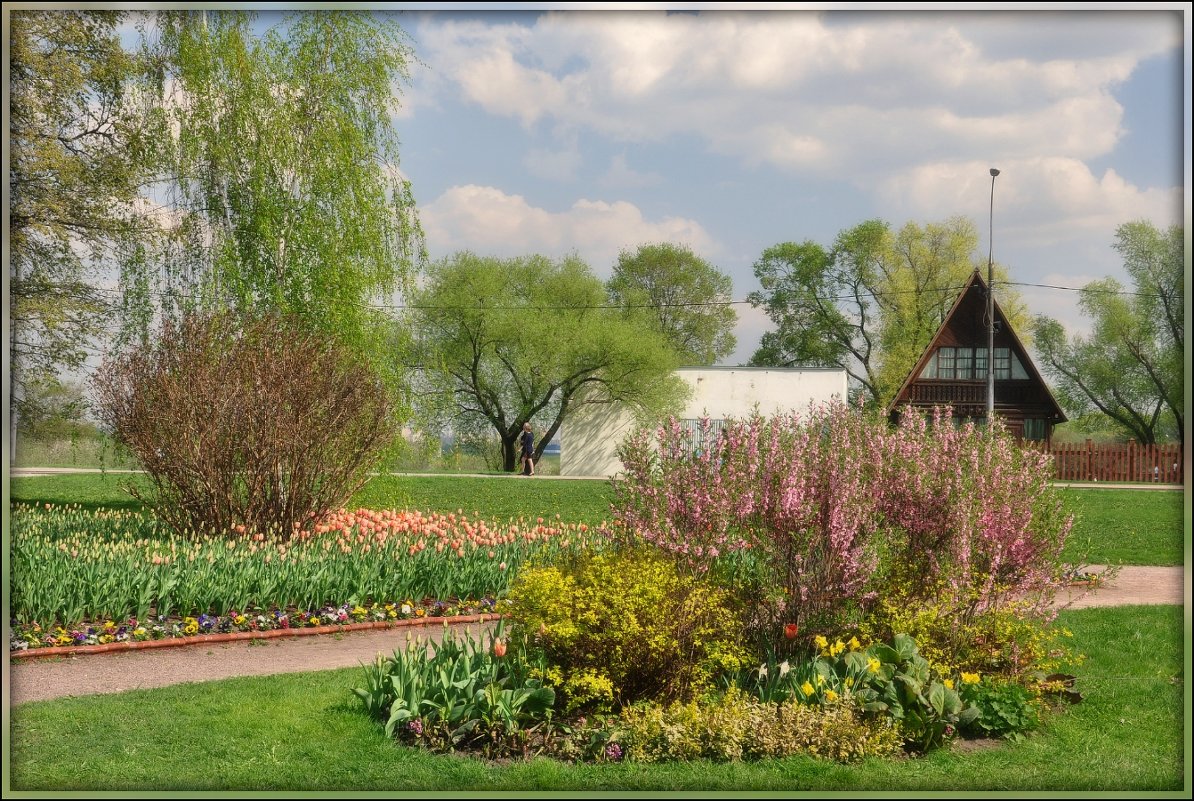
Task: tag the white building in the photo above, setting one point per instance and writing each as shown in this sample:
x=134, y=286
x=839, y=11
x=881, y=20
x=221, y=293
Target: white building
x=590, y=436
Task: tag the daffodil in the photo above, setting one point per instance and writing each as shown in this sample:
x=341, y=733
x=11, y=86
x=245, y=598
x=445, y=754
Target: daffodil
x=872, y=664
x=806, y=688
x=820, y=641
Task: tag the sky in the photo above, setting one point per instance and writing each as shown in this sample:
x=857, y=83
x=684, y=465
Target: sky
x=556, y=129
x=597, y=131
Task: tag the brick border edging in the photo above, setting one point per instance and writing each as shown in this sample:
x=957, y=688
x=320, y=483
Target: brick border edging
x=233, y=636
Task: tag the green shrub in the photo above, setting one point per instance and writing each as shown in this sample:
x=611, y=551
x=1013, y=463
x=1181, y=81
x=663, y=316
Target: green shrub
x=739, y=727
x=1005, y=710
x=622, y=626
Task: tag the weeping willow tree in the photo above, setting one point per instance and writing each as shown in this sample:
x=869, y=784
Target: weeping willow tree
x=278, y=178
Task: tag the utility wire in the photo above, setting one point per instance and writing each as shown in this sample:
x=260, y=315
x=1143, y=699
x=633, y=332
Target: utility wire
x=177, y=295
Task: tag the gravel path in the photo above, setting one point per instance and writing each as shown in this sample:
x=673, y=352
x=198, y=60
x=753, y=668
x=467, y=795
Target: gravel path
x=43, y=678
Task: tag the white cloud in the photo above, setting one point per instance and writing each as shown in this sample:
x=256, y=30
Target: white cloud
x=1038, y=201
x=486, y=220
x=806, y=90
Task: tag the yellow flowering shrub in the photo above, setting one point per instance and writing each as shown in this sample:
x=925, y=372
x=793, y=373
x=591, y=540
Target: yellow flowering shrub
x=1007, y=641
x=739, y=727
x=620, y=626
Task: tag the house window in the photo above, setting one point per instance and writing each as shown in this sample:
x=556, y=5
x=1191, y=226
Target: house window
x=965, y=363
x=970, y=364
x=980, y=362
x=1034, y=430
x=945, y=362
x=1003, y=364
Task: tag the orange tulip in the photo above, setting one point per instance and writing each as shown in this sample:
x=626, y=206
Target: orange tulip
x=499, y=648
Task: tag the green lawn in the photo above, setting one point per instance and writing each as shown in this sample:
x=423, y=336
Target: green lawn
x=1122, y=526
x=499, y=497
x=305, y=731
x=1133, y=527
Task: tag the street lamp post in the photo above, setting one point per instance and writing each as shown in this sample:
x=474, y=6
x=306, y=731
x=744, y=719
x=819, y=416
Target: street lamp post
x=991, y=306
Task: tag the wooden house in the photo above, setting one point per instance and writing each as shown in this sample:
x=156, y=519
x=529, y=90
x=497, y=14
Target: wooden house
x=953, y=372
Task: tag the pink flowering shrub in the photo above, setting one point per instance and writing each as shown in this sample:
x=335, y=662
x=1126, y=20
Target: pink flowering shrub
x=970, y=509
x=832, y=508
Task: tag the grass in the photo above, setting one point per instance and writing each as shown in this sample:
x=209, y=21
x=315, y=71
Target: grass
x=499, y=497
x=81, y=452
x=306, y=731
x=1133, y=527
x=1121, y=526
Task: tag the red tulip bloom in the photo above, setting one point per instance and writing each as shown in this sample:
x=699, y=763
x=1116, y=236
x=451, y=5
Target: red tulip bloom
x=791, y=630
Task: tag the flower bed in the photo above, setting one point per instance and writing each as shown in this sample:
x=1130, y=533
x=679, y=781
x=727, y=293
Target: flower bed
x=72, y=565
x=32, y=637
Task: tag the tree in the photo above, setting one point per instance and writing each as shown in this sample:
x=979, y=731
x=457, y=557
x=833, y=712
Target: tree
x=510, y=341
x=75, y=171
x=871, y=303
x=686, y=297
x=1130, y=367
x=281, y=171
x=54, y=409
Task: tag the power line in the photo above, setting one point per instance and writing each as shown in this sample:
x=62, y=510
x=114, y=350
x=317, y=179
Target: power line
x=178, y=295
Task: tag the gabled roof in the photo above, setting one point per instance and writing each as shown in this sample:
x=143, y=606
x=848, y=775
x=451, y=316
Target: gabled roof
x=976, y=282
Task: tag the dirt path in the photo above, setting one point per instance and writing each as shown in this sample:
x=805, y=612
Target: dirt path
x=36, y=679
x=41, y=678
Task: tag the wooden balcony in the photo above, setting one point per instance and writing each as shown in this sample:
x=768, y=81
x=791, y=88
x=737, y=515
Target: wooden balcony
x=970, y=393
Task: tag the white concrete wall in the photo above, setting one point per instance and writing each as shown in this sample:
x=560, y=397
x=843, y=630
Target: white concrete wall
x=590, y=437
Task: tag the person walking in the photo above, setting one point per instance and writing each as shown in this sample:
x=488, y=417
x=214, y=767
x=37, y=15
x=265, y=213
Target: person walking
x=528, y=450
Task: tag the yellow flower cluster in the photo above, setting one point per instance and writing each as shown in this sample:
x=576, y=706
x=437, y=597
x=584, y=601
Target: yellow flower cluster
x=838, y=646
x=970, y=678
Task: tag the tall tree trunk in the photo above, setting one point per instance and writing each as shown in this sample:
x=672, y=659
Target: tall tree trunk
x=510, y=453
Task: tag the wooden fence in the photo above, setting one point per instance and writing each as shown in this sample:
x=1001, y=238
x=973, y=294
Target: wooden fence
x=1117, y=462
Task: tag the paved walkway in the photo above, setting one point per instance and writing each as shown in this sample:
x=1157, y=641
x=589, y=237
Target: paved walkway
x=36, y=679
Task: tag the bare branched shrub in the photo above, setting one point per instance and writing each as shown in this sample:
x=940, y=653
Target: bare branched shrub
x=260, y=423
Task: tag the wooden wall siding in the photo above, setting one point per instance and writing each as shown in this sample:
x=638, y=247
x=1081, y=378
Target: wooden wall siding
x=1115, y=462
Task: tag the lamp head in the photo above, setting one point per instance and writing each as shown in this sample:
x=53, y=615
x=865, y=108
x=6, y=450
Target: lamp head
x=994, y=172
